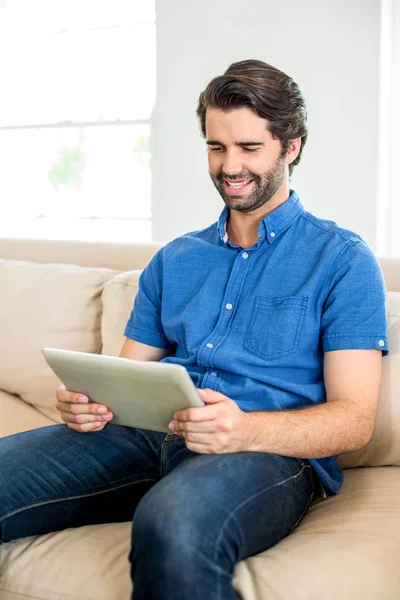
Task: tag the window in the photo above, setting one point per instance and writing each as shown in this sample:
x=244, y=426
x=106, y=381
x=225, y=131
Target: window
x=78, y=88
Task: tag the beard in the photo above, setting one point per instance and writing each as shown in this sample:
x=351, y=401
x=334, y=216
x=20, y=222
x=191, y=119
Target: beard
x=265, y=186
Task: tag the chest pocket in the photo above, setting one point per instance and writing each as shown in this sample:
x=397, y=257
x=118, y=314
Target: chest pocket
x=275, y=326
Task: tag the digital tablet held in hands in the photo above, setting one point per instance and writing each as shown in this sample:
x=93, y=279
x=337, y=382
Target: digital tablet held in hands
x=139, y=393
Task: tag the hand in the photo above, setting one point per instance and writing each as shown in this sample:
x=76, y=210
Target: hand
x=219, y=427
x=80, y=414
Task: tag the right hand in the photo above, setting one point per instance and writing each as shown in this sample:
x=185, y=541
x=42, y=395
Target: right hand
x=82, y=416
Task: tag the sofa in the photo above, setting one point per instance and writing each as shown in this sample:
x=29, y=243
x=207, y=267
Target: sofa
x=78, y=295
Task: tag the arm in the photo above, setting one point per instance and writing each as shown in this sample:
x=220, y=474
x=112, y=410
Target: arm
x=138, y=351
x=343, y=424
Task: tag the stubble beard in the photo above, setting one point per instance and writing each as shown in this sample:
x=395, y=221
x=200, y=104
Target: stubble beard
x=265, y=186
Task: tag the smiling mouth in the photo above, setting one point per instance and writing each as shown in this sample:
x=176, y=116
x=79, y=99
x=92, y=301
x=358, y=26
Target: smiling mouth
x=237, y=184
x=237, y=187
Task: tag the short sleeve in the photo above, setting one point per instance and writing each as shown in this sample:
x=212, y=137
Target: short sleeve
x=354, y=314
x=145, y=324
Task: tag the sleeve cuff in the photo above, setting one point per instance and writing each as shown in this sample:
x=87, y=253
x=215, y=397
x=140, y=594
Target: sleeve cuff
x=145, y=337
x=349, y=342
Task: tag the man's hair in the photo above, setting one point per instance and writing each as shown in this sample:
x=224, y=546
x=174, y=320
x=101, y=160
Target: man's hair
x=270, y=93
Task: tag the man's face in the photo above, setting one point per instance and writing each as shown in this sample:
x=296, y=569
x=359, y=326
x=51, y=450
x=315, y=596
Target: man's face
x=245, y=161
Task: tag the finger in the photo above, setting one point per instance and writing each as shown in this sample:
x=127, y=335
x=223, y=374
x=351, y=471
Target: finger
x=189, y=426
x=79, y=409
x=98, y=428
x=80, y=419
x=64, y=395
x=197, y=414
x=211, y=396
x=86, y=427
x=199, y=448
x=206, y=439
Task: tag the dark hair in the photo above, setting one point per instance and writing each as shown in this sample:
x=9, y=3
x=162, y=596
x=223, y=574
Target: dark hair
x=272, y=94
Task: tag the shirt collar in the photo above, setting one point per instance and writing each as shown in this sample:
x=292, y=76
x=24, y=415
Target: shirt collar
x=273, y=225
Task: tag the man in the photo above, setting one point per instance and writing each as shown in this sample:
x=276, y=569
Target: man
x=278, y=316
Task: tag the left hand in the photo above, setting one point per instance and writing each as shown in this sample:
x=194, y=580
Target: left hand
x=218, y=427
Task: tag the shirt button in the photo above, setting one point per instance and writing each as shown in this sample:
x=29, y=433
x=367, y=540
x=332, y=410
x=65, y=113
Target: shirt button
x=381, y=343
x=210, y=345
x=213, y=374
x=272, y=234
x=245, y=255
x=228, y=306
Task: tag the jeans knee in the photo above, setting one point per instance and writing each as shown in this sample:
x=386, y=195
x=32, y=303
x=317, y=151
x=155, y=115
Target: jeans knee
x=168, y=524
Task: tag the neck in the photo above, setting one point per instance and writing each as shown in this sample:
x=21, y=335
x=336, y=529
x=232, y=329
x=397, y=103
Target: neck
x=242, y=228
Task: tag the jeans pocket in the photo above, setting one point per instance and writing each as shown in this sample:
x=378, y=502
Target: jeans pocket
x=275, y=326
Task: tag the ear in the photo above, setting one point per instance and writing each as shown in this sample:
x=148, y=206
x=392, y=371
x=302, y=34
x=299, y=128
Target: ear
x=293, y=152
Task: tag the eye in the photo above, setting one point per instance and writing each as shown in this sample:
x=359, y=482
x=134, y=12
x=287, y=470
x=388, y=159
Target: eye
x=215, y=149
x=250, y=149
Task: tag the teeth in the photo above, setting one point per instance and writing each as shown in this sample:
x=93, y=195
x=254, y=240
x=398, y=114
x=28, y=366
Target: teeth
x=237, y=185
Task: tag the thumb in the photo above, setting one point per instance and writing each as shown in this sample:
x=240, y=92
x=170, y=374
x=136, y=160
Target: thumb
x=210, y=396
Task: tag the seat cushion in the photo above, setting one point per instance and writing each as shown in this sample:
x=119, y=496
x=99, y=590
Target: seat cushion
x=16, y=415
x=347, y=548
x=84, y=563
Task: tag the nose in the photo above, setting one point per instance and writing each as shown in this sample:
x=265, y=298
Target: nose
x=232, y=164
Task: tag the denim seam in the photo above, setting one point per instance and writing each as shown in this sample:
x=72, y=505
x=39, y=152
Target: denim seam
x=302, y=514
x=349, y=335
x=116, y=484
x=179, y=451
x=231, y=515
x=163, y=457
x=311, y=219
x=301, y=308
x=149, y=337
x=328, y=281
x=64, y=499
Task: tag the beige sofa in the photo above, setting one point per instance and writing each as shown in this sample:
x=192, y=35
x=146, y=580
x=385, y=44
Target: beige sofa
x=79, y=296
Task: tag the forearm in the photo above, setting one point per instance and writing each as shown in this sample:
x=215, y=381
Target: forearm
x=314, y=432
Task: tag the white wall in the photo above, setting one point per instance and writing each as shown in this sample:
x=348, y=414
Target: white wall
x=331, y=49
x=392, y=246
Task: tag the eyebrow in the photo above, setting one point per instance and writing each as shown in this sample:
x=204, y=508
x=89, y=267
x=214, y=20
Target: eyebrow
x=216, y=143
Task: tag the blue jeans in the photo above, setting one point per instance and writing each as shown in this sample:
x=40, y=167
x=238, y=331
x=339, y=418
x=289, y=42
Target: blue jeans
x=195, y=515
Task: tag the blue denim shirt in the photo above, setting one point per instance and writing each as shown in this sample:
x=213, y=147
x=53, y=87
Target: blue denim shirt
x=254, y=323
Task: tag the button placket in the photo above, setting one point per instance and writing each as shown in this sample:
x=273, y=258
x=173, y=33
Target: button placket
x=232, y=292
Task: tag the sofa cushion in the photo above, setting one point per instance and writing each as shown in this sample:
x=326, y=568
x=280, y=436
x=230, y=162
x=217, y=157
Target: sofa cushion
x=393, y=311
x=16, y=415
x=384, y=446
x=118, y=297
x=347, y=547
x=54, y=305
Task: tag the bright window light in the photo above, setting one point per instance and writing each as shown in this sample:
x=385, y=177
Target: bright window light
x=78, y=88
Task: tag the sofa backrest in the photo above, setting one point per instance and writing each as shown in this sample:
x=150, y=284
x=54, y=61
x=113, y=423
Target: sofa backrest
x=51, y=296
x=105, y=255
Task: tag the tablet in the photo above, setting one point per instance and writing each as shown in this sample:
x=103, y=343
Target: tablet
x=139, y=393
